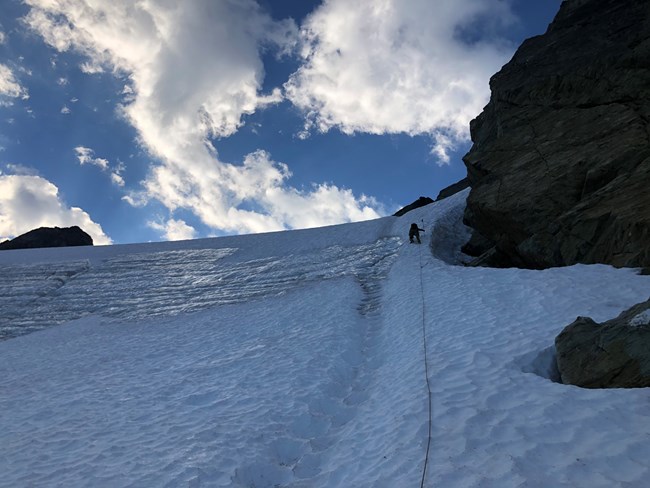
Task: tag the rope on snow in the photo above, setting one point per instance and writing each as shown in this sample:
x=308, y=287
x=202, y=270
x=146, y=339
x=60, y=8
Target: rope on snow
x=426, y=370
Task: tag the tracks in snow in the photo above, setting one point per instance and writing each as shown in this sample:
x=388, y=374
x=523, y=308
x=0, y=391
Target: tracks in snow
x=312, y=438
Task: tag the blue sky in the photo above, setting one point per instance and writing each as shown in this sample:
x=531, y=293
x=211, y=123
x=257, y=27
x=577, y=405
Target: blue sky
x=167, y=120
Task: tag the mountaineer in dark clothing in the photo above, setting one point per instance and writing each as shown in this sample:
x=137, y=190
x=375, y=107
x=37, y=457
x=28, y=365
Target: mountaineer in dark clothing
x=414, y=232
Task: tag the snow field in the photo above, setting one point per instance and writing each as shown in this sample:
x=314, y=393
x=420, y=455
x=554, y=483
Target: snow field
x=296, y=359
x=498, y=420
x=232, y=397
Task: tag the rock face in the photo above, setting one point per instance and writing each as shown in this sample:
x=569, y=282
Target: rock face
x=420, y=202
x=560, y=165
x=614, y=354
x=453, y=189
x=49, y=237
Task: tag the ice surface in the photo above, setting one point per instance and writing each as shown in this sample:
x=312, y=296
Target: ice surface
x=296, y=359
x=133, y=286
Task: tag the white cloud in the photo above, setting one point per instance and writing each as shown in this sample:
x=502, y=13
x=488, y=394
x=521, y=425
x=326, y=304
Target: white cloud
x=65, y=110
x=117, y=179
x=19, y=169
x=443, y=143
x=62, y=81
x=399, y=66
x=195, y=69
x=174, y=230
x=85, y=155
x=28, y=202
x=9, y=86
x=91, y=68
x=3, y=37
x=116, y=174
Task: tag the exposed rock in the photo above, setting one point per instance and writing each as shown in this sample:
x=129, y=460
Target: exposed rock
x=493, y=257
x=49, y=237
x=614, y=354
x=420, y=202
x=477, y=245
x=560, y=166
x=453, y=189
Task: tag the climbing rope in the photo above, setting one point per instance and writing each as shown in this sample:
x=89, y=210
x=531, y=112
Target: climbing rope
x=426, y=369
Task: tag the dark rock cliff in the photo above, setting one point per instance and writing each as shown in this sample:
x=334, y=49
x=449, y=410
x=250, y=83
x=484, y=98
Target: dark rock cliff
x=453, y=189
x=49, y=237
x=560, y=165
x=420, y=202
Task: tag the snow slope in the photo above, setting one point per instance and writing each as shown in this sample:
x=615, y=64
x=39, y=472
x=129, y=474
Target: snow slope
x=297, y=359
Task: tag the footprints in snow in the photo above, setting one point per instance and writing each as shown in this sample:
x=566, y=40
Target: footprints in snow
x=298, y=457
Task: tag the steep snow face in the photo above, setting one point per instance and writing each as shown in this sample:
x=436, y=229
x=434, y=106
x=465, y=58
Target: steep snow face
x=298, y=359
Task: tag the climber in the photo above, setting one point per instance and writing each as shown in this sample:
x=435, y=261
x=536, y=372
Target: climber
x=414, y=232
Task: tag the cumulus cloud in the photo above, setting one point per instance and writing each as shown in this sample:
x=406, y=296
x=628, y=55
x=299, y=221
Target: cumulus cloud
x=258, y=182
x=65, y=110
x=194, y=70
x=28, y=202
x=174, y=230
x=19, y=169
x=9, y=86
x=3, y=37
x=399, y=66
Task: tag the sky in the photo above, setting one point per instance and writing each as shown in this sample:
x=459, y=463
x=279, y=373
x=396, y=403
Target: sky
x=149, y=120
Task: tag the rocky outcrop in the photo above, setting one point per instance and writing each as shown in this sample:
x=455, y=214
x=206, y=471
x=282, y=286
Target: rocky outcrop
x=49, y=237
x=614, y=354
x=420, y=202
x=453, y=189
x=444, y=193
x=560, y=165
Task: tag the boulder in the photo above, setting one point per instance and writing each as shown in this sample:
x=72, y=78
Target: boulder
x=560, y=162
x=614, y=354
x=420, y=202
x=49, y=237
